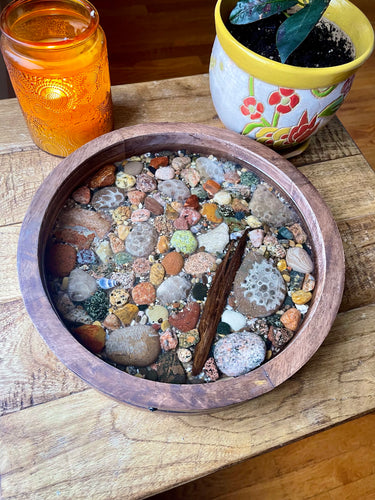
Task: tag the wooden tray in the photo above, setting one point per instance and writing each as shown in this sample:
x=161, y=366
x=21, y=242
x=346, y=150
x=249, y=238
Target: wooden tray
x=117, y=145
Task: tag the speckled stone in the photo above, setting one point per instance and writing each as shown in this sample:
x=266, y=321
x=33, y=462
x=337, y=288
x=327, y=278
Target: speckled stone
x=200, y=263
x=279, y=336
x=239, y=353
x=173, y=262
x=187, y=318
x=210, y=370
x=118, y=297
x=141, y=266
x=124, y=180
x=127, y=313
x=140, y=215
x=157, y=273
x=270, y=209
x=189, y=338
x=291, y=318
x=157, y=314
x=184, y=241
x=144, y=293
x=141, y=240
x=184, y=355
x=173, y=289
x=121, y=214
x=117, y=244
x=168, y=340
x=146, y=183
x=137, y=345
x=259, y=288
x=107, y=198
x=136, y=197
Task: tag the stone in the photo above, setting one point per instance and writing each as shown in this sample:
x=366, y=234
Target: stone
x=104, y=251
x=82, y=195
x=86, y=257
x=210, y=370
x=170, y=369
x=153, y=206
x=180, y=162
x=189, y=338
x=127, y=313
x=116, y=243
x=301, y=297
x=239, y=205
x=123, y=231
x=144, y=293
x=104, y=177
x=69, y=311
x=173, y=289
x=118, y=297
x=121, y=214
x=256, y=237
x=111, y=322
x=157, y=273
x=184, y=355
x=192, y=202
x=94, y=221
x=81, y=285
x=253, y=222
x=181, y=223
x=107, y=198
x=97, y=305
x=284, y=233
x=191, y=176
x=270, y=209
x=136, y=197
x=137, y=345
x=299, y=260
x=222, y=198
x=239, y=352
x=209, y=210
x=173, y=262
x=123, y=258
x=165, y=173
x=133, y=167
x=210, y=169
x=199, y=291
x=200, y=263
x=92, y=337
x=140, y=215
x=162, y=244
x=184, y=241
x=299, y=234
x=146, y=183
x=259, y=288
x=308, y=283
x=187, y=318
x=125, y=279
x=191, y=216
x=223, y=328
x=215, y=240
x=60, y=259
x=124, y=180
x=157, y=314
x=141, y=266
x=211, y=187
x=168, y=340
x=249, y=179
x=174, y=189
x=232, y=177
x=279, y=336
x=291, y=319
x=235, y=319
x=141, y=240
x=159, y=161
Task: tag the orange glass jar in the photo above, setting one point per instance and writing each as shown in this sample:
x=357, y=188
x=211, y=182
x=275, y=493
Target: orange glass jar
x=56, y=55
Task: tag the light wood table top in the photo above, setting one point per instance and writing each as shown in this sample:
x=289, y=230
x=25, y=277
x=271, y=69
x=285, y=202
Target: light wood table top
x=59, y=438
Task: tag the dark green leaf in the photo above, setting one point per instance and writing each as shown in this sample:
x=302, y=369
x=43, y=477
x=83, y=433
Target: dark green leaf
x=248, y=11
x=332, y=108
x=295, y=28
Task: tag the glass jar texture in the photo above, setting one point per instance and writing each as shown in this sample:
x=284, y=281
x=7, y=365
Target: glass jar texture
x=56, y=55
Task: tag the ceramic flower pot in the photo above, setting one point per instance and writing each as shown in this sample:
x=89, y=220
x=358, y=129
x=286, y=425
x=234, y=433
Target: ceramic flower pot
x=277, y=104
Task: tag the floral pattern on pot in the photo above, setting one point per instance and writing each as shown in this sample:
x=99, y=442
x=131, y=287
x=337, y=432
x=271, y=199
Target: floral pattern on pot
x=276, y=116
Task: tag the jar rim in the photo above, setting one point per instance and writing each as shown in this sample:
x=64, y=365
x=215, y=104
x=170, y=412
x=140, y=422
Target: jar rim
x=92, y=26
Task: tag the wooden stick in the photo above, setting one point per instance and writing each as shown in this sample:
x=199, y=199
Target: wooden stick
x=216, y=299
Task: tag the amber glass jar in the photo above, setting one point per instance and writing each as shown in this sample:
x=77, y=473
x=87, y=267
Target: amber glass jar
x=56, y=55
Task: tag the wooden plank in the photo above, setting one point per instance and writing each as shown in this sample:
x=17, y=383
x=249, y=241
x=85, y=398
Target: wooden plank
x=336, y=385
x=9, y=287
x=30, y=374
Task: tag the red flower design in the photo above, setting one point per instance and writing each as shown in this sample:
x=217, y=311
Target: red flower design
x=251, y=107
x=286, y=100
x=303, y=130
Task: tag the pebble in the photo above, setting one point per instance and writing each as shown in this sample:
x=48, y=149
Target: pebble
x=210, y=169
x=187, y=318
x=123, y=231
x=240, y=205
x=104, y=177
x=239, y=353
x=111, y=322
x=180, y=162
x=163, y=244
x=253, y=222
x=212, y=187
x=299, y=234
x=168, y=340
x=123, y=258
x=124, y=180
x=86, y=257
x=215, y=240
x=249, y=178
x=104, y=251
x=301, y=297
x=210, y=370
x=259, y=289
x=81, y=285
x=141, y=266
x=140, y=215
x=209, y=210
x=125, y=279
x=121, y=214
x=308, y=283
x=136, y=197
x=165, y=173
x=157, y=314
x=174, y=288
x=256, y=237
x=95, y=221
x=200, y=263
x=173, y=262
x=92, y=337
x=146, y=183
x=299, y=260
x=118, y=297
x=291, y=318
x=270, y=209
x=192, y=202
x=82, y=195
x=153, y=206
x=170, y=369
x=61, y=259
x=284, y=233
x=133, y=345
x=144, y=293
x=116, y=243
x=234, y=319
x=222, y=198
x=157, y=273
x=133, y=167
x=189, y=338
x=191, y=216
x=141, y=240
x=184, y=241
x=199, y=291
x=126, y=313
x=184, y=355
x=107, y=198
x=191, y=176
x=71, y=312
x=232, y=177
x=159, y=161
x=174, y=189
x=279, y=336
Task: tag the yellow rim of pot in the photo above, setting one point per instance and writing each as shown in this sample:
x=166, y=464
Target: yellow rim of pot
x=342, y=12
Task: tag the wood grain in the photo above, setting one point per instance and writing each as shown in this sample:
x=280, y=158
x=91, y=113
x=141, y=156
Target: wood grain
x=91, y=443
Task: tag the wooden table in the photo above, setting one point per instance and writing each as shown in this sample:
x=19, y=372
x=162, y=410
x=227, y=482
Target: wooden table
x=61, y=438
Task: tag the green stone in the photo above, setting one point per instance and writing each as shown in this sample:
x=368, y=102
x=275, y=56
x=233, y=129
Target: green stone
x=284, y=233
x=184, y=241
x=200, y=192
x=249, y=179
x=123, y=258
x=223, y=328
x=97, y=305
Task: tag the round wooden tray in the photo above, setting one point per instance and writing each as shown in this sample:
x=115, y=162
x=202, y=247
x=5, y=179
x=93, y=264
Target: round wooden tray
x=123, y=143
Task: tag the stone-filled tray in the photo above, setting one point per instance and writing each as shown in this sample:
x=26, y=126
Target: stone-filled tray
x=277, y=172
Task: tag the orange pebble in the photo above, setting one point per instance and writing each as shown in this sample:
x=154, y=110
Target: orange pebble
x=173, y=262
x=105, y=177
x=209, y=211
x=211, y=186
x=192, y=202
x=163, y=244
x=92, y=337
x=144, y=293
x=159, y=161
x=291, y=318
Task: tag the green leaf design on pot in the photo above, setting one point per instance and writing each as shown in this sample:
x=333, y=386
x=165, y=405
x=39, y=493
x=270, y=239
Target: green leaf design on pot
x=250, y=127
x=323, y=92
x=332, y=107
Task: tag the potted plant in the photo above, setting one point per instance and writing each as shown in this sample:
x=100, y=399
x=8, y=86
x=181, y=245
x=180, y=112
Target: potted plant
x=277, y=103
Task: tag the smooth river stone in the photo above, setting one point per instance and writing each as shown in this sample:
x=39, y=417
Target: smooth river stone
x=174, y=189
x=81, y=285
x=173, y=289
x=215, y=240
x=259, y=288
x=142, y=240
x=270, y=209
x=137, y=345
x=108, y=198
x=238, y=353
x=210, y=169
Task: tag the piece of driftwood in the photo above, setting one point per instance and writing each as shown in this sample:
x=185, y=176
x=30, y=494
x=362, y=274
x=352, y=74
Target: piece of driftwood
x=216, y=300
